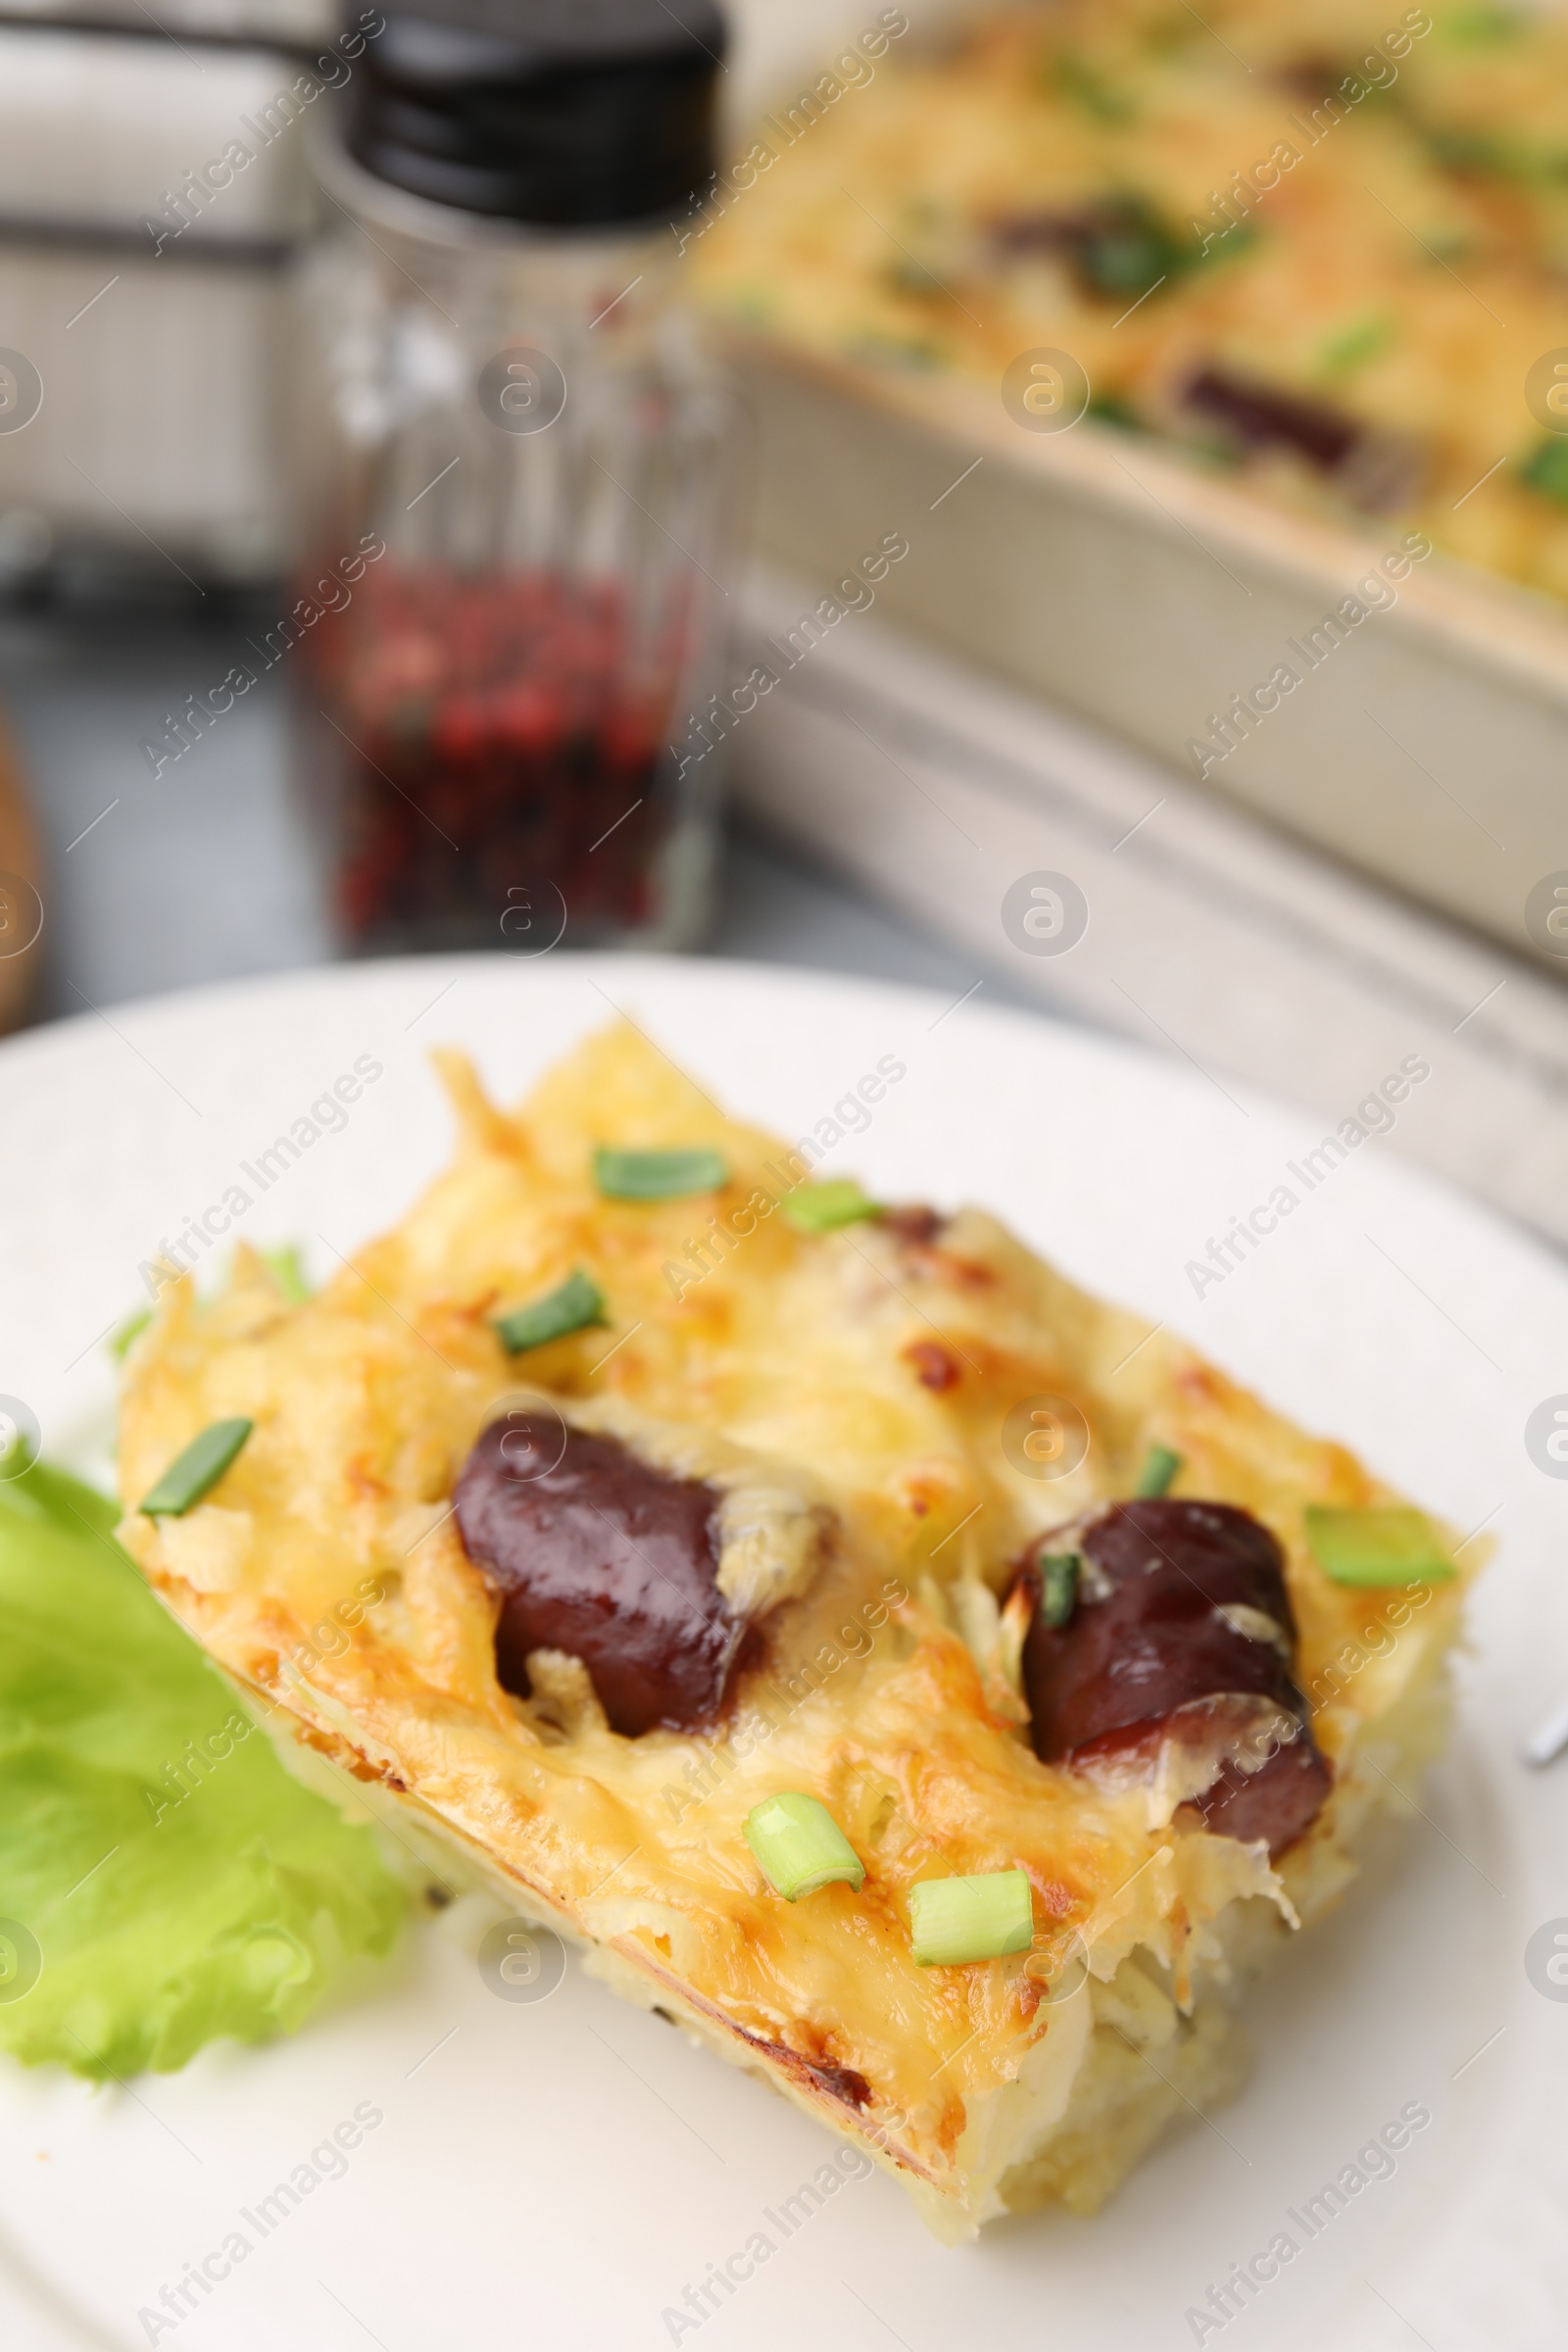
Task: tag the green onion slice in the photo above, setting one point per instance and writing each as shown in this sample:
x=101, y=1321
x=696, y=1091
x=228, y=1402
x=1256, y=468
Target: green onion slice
x=954, y=1920
x=1390, y=1545
x=286, y=1267
x=195, y=1472
x=819, y=1207
x=800, y=1846
x=659, y=1175
x=571, y=1306
x=120, y=1339
x=1161, y=1466
x=1058, y=1586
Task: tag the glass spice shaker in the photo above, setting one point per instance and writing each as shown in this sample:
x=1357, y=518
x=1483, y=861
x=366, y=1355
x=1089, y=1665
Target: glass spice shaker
x=514, y=462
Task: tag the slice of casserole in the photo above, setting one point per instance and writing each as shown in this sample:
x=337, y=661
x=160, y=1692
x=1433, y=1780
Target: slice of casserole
x=637, y=1483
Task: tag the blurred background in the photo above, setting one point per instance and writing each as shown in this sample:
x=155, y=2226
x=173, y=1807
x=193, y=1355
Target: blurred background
x=1066, y=502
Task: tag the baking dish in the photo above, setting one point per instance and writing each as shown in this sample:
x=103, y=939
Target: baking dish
x=1424, y=713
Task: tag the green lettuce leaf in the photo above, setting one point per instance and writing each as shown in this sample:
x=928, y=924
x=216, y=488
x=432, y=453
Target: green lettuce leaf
x=163, y=1880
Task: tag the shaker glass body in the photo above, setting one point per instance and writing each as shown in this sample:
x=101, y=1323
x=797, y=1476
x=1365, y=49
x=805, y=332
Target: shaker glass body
x=516, y=445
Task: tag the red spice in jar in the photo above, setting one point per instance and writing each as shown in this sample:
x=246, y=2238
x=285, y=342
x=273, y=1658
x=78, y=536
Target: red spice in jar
x=495, y=739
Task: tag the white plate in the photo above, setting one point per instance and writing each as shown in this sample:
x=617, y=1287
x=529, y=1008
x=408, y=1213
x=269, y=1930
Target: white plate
x=558, y=2174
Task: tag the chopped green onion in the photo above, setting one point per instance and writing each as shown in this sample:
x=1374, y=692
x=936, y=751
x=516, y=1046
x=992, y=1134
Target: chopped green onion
x=1357, y=343
x=572, y=1307
x=1125, y=248
x=954, y=1920
x=1085, y=88
x=659, y=1175
x=1058, y=1586
x=286, y=1267
x=195, y=1472
x=1161, y=1466
x=1108, y=408
x=800, y=1846
x=1390, y=1545
x=133, y=1326
x=913, y=277
x=1547, y=471
x=818, y=1207
x=1228, y=246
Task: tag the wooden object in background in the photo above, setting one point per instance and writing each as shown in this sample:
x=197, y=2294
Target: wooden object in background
x=21, y=888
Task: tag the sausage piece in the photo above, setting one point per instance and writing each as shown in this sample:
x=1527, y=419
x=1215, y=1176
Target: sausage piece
x=606, y=1557
x=1181, y=1607
x=1375, y=470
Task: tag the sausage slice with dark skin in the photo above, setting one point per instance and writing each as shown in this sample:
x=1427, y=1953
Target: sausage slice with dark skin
x=607, y=1558
x=1181, y=1625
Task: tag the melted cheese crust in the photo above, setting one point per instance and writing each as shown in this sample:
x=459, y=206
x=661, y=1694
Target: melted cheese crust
x=324, y=1573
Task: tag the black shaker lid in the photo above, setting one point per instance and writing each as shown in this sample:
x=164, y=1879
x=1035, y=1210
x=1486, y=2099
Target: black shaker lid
x=561, y=113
